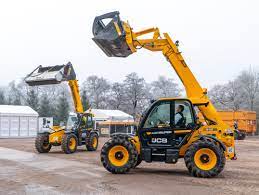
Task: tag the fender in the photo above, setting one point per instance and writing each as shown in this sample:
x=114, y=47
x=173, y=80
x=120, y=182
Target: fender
x=215, y=139
x=96, y=131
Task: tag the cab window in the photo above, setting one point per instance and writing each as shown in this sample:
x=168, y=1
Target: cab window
x=89, y=121
x=183, y=114
x=83, y=121
x=159, y=116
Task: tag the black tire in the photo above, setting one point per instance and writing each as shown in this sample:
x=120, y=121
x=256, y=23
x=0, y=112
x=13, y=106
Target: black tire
x=66, y=143
x=42, y=144
x=139, y=160
x=121, y=142
x=189, y=159
x=92, y=145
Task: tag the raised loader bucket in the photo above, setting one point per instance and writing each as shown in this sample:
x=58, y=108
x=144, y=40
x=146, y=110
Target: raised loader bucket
x=111, y=37
x=51, y=75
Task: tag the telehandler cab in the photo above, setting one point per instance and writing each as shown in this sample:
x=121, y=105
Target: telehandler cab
x=159, y=136
x=79, y=129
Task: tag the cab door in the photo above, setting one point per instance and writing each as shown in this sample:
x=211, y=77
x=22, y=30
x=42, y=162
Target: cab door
x=156, y=129
x=90, y=122
x=160, y=126
x=187, y=123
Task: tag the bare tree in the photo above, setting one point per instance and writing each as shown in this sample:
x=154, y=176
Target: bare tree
x=46, y=108
x=117, y=96
x=227, y=96
x=33, y=99
x=13, y=95
x=135, y=93
x=97, y=90
x=218, y=96
x=2, y=97
x=62, y=109
x=164, y=87
x=85, y=101
x=235, y=95
x=249, y=81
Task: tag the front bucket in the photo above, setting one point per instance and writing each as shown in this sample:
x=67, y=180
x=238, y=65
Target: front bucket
x=51, y=75
x=111, y=38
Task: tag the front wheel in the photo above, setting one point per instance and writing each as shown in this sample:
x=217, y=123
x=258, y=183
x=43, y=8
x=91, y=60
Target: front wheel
x=69, y=143
x=92, y=144
x=204, y=159
x=119, y=155
x=42, y=144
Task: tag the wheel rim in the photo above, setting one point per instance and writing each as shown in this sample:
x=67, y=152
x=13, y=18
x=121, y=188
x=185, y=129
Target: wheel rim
x=205, y=159
x=95, y=142
x=72, y=143
x=45, y=145
x=118, y=155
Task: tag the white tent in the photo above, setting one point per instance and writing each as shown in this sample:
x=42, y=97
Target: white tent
x=18, y=121
x=111, y=115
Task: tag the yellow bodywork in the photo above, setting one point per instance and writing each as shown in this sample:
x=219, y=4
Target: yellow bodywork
x=197, y=95
x=74, y=88
x=55, y=137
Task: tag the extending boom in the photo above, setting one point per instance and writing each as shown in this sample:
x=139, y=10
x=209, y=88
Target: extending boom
x=121, y=41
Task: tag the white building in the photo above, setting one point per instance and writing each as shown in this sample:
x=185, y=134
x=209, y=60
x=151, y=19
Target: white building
x=111, y=115
x=113, y=121
x=18, y=121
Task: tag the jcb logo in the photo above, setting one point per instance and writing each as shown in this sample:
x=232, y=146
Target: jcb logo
x=159, y=140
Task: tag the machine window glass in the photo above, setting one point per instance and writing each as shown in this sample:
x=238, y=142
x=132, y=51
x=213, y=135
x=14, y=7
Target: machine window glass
x=183, y=114
x=83, y=121
x=159, y=116
x=89, y=121
x=71, y=121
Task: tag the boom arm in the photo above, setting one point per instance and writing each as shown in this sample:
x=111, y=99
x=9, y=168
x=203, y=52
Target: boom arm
x=114, y=46
x=73, y=84
x=55, y=75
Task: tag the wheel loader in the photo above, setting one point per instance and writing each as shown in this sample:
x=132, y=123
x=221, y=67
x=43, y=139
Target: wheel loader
x=159, y=136
x=79, y=129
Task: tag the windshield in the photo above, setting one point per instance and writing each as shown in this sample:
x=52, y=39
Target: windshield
x=71, y=121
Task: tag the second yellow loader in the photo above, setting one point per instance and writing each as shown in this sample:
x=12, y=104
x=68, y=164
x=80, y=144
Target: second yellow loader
x=79, y=129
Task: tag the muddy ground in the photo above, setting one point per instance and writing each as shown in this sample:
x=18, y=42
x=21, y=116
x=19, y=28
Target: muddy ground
x=23, y=171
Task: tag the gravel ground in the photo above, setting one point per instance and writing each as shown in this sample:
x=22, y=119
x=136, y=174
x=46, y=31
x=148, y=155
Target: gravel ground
x=23, y=171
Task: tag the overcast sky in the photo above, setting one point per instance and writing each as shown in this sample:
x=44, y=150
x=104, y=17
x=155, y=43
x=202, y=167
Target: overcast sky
x=218, y=38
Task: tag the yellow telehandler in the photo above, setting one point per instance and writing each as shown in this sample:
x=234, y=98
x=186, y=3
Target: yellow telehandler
x=169, y=129
x=79, y=129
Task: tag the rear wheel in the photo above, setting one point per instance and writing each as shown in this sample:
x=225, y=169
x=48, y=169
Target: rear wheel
x=69, y=143
x=119, y=155
x=42, y=144
x=92, y=144
x=204, y=159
